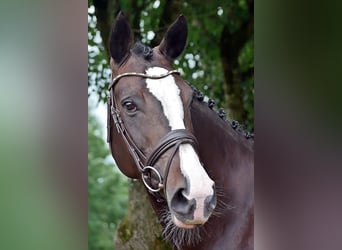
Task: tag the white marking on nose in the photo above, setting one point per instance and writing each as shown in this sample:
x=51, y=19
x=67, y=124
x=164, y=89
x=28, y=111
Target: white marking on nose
x=168, y=93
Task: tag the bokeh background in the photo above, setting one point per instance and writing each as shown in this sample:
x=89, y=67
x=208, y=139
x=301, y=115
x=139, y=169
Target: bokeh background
x=44, y=125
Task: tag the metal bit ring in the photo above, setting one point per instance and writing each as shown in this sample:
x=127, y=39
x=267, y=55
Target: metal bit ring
x=160, y=181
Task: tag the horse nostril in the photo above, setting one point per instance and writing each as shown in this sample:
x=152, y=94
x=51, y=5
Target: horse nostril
x=181, y=205
x=210, y=203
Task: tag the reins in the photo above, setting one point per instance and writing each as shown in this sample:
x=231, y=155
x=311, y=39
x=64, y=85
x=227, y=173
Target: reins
x=172, y=139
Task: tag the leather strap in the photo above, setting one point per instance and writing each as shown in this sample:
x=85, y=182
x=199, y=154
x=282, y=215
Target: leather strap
x=117, y=78
x=172, y=139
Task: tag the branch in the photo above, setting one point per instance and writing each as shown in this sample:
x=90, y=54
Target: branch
x=170, y=12
x=230, y=48
x=247, y=74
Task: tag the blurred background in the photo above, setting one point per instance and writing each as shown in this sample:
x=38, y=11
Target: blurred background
x=218, y=60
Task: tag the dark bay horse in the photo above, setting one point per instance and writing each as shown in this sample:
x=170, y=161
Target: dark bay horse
x=197, y=167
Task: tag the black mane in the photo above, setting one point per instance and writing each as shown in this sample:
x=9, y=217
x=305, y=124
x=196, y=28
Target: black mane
x=143, y=50
x=240, y=128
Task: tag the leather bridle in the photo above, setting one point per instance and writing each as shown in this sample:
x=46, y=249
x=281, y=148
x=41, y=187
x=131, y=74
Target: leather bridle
x=172, y=140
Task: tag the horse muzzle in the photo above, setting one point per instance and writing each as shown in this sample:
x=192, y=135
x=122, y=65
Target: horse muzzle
x=188, y=213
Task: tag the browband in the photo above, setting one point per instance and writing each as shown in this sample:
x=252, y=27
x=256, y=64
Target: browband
x=117, y=78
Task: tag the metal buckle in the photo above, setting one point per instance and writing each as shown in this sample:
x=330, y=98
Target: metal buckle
x=160, y=184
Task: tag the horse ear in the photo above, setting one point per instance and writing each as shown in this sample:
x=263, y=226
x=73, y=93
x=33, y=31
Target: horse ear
x=120, y=39
x=174, y=40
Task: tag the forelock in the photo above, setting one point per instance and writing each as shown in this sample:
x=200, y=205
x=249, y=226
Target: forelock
x=142, y=50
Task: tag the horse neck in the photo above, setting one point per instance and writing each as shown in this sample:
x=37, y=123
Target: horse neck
x=228, y=158
x=218, y=141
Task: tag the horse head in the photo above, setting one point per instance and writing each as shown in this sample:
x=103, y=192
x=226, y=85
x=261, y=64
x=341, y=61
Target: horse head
x=151, y=134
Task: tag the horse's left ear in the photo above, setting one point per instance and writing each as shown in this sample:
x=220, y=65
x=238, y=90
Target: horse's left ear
x=174, y=40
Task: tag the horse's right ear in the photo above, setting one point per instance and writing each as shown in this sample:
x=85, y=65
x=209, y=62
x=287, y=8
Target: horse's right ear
x=120, y=39
x=174, y=40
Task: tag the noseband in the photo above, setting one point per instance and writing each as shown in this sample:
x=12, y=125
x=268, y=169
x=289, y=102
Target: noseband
x=172, y=140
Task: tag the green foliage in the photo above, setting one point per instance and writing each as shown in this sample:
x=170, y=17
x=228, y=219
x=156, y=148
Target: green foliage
x=107, y=191
x=98, y=68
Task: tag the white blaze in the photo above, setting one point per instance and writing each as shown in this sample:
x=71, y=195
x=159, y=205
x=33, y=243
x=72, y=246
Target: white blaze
x=168, y=93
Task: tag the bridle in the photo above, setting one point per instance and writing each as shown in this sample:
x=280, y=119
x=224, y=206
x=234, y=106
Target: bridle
x=172, y=140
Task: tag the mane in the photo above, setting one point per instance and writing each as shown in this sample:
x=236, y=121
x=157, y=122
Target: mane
x=239, y=128
x=142, y=50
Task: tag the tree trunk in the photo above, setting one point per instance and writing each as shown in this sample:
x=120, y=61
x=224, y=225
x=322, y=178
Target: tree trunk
x=140, y=229
x=231, y=45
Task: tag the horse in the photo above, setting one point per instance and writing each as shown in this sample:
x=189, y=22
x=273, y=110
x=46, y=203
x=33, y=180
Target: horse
x=197, y=166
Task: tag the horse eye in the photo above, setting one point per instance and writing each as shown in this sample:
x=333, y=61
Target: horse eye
x=130, y=106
